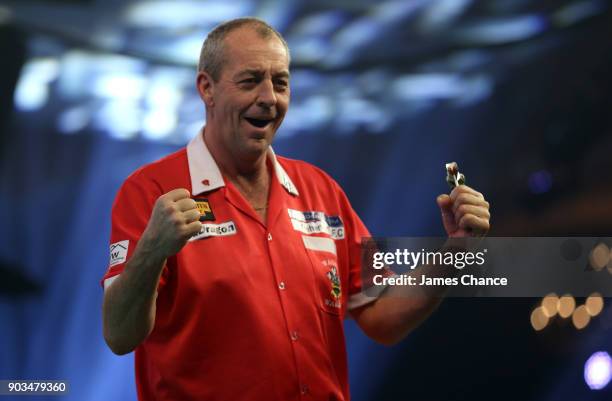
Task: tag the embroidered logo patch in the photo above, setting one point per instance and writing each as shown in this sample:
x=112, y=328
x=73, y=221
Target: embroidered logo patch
x=215, y=230
x=332, y=275
x=206, y=213
x=334, y=299
x=118, y=252
x=312, y=222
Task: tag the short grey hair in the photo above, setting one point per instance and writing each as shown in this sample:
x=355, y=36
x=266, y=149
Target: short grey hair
x=212, y=57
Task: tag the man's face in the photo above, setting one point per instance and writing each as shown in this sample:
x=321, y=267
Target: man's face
x=252, y=95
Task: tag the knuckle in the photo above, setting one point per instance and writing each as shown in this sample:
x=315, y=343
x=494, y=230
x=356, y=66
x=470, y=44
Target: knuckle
x=175, y=220
x=169, y=208
x=178, y=191
x=160, y=203
x=467, y=220
x=461, y=199
x=191, y=215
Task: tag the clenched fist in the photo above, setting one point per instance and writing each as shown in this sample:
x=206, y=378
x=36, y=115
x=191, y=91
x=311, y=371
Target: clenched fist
x=173, y=221
x=464, y=213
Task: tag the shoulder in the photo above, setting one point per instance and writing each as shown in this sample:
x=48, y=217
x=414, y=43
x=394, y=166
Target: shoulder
x=315, y=186
x=156, y=178
x=304, y=172
x=162, y=171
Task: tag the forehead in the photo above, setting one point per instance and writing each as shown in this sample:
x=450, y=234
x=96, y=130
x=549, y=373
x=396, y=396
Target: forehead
x=244, y=49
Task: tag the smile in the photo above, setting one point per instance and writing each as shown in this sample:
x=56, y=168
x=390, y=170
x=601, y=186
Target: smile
x=258, y=122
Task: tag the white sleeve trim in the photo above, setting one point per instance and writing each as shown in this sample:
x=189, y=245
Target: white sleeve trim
x=358, y=300
x=109, y=281
x=361, y=298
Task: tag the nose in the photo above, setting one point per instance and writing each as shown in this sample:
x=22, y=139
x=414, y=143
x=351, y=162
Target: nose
x=266, y=97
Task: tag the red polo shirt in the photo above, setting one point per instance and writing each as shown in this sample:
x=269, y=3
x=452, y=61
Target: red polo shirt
x=246, y=310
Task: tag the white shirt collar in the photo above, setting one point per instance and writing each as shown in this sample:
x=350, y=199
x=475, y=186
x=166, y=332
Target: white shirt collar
x=205, y=174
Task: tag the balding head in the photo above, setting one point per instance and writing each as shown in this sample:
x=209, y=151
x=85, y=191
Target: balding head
x=212, y=55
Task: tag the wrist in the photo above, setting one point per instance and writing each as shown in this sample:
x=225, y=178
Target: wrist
x=148, y=248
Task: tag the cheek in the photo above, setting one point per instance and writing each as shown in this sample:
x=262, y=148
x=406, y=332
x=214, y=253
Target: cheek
x=283, y=103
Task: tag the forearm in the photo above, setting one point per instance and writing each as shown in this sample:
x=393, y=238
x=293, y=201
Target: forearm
x=399, y=309
x=129, y=302
x=389, y=319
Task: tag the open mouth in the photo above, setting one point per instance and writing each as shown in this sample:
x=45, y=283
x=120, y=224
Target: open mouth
x=258, y=122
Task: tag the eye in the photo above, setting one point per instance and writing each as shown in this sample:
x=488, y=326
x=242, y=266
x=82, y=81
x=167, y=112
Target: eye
x=281, y=84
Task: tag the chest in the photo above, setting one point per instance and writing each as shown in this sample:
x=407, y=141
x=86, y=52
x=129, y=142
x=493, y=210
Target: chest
x=299, y=257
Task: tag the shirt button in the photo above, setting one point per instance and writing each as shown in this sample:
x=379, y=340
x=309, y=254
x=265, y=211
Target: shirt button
x=295, y=335
x=304, y=389
x=281, y=285
x=269, y=237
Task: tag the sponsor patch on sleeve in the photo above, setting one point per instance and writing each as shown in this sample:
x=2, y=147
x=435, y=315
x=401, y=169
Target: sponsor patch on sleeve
x=118, y=252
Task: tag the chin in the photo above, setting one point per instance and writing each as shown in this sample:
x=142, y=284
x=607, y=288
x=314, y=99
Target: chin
x=254, y=147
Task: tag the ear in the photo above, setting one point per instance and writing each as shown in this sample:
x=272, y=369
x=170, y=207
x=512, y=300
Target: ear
x=205, y=85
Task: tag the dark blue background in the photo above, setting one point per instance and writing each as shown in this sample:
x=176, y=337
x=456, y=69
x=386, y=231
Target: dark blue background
x=548, y=113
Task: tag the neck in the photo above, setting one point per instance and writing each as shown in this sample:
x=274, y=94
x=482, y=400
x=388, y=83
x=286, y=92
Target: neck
x=234, y=165
x=249, y=173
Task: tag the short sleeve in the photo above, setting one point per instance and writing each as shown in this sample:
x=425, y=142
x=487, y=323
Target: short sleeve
x=355, y=232
x=130, y=215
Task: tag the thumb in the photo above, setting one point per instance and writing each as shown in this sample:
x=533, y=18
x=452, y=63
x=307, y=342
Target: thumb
x=444, y=202
x=446, y=208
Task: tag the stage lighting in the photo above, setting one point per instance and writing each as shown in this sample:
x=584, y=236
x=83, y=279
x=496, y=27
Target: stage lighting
x=598, y=370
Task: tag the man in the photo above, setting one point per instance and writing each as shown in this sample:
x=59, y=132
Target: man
x=231, y=268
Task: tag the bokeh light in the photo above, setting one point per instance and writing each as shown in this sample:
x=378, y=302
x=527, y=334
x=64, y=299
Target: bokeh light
x=566, y=306
x=594, y=304
x=598, y=370
x=600, y=256
x=580, y=317
x=550, y=304
x=539, y=320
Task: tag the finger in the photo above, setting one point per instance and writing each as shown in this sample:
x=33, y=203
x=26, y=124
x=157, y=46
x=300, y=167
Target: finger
x=178, y=194
x=191, y=216
x=186, y=204
x=469, y=199
x=192, y=229
x=464, y=189
x=477, y=225
x=444, y=202
x=478, y=211
x=448, y=218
